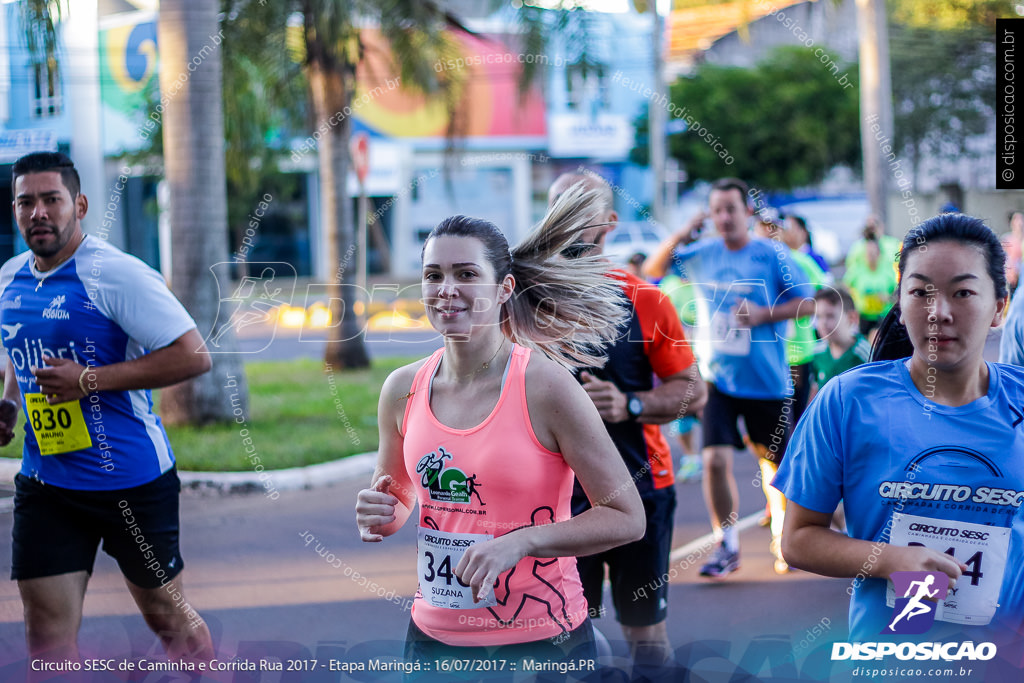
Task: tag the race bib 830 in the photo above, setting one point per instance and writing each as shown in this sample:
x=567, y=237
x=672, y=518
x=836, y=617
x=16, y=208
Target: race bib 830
x=58, y=428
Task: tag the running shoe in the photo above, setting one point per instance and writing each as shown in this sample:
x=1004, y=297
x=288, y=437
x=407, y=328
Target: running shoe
x=781, y=566
x=690, y=468
x=723, y=561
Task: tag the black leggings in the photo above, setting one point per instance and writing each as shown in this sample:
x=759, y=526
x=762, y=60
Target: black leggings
x=571, y=656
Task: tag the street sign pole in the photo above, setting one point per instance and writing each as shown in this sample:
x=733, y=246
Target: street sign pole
x=361, y=164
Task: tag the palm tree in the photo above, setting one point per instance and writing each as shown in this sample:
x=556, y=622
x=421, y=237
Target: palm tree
x=193, y=133
x=39, y=21
x=264, y=96
x=331, y=48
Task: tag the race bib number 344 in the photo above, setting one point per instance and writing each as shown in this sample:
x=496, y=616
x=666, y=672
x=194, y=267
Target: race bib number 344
x=438, y=554
x=58, y=428
x=982, y=548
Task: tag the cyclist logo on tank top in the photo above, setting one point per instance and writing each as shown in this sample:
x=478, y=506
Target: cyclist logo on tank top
x=446, y=484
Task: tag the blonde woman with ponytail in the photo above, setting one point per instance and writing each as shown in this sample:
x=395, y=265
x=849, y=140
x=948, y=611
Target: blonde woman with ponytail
x=488, y=434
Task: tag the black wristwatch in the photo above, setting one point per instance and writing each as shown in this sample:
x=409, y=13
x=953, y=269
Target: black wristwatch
x=634, y=406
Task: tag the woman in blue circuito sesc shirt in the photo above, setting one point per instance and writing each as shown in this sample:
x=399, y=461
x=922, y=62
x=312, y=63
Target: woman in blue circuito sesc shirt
x=926, y=448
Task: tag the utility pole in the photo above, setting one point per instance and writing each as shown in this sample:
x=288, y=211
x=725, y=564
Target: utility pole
x=656, y=116
x=875, y=100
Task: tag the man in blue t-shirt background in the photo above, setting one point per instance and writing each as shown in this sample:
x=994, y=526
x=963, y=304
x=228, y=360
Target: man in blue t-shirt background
x=747, y=288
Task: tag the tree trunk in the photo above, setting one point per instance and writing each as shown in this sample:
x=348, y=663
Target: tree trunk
x=657, y=117
x=331, y=93
x=193, y=129
x=875, y=100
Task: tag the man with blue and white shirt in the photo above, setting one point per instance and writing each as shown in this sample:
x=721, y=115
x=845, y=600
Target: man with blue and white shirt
x=747, y=288
x=88, y=331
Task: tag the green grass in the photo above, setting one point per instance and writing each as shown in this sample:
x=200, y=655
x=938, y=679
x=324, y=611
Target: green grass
x=298, y=415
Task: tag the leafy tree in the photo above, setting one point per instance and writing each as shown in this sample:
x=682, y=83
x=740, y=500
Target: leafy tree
x=193, y=137
x=569, y=23
x=40, y=20
x=193, y=132
x=948, y=14
x=331, y=48
x=782, y=124
x=264, y=99
x=274, y=53
x=943, y=76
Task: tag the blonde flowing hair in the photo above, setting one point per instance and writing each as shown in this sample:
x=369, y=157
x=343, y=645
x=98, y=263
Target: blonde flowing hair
x=566, y=308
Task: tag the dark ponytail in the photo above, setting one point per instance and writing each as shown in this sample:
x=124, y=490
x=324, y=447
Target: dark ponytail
x=891, y=339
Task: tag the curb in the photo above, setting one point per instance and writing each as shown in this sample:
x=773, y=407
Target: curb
x=291, y=479
x=270, y=481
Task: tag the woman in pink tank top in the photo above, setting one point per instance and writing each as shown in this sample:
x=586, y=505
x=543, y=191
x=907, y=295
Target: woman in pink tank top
x=487, y=436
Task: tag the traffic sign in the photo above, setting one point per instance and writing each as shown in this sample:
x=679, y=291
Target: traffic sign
x=360, y=148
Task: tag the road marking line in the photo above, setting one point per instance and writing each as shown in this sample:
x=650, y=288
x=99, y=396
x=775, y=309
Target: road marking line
x=708, y=540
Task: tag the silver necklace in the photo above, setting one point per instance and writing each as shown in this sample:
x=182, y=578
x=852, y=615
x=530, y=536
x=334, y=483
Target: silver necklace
x=57, y=265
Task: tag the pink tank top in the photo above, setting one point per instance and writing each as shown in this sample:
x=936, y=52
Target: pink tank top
x=474, y=484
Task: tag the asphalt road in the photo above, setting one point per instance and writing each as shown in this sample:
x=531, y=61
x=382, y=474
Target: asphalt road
x=267, y=342
x=288, y=580
x=255, y=573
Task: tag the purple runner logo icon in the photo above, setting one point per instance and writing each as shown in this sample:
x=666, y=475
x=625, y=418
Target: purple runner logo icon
x=917, y=597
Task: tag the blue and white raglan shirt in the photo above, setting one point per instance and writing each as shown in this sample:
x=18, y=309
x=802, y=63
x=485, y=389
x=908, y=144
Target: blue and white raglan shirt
x=742, y=362
x=101, y=306
x=911, y=471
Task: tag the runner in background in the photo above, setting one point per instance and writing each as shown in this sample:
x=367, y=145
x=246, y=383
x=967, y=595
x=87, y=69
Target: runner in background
x=496, y=559
x=1011, y=343
x=649, y=344
x=1013, y=244
x=800, y=345
x=797, y=235
x=841, y=347
x=636, y=261
x=871, y=281
x=888, y=245
x=686, y=428
x=800, y=333
x=924, y=447
x=749, y=287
